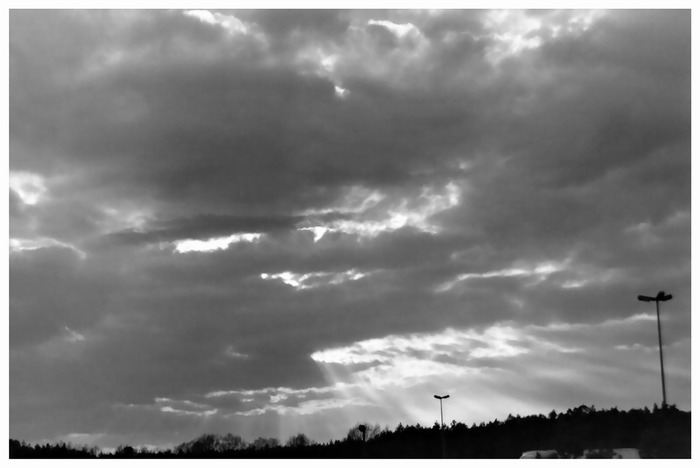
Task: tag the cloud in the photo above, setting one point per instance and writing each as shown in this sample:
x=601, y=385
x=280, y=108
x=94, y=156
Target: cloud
x=73, y=336
x=29, y=187
x=283, y=400
x=56, y=278
x=400, y=30
x=219, y=243
x=408, y=212
x=314, y=279
x=170, y=409
x=307, y=407
x=229, y=22
x=133, y=227
x=19, y=245
x=232, y=353
x=542, y=271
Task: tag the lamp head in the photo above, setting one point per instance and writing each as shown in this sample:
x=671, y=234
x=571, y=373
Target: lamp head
x=663, y=297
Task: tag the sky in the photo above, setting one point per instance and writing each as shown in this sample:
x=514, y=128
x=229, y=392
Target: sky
x=281, y=221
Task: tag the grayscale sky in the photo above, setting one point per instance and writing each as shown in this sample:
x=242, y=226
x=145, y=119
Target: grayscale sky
x=272, y=222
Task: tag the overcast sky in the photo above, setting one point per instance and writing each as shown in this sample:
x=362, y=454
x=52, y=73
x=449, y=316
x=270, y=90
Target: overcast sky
x=272, y=222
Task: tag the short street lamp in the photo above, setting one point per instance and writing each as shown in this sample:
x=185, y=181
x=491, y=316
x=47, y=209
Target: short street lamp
x=363, y=429
x=660, y=297
x=442, y=424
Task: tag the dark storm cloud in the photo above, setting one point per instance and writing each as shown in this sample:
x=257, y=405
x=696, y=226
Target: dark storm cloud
x=16, y=204
x=546, y=185
x=285, y=27
x=191, y=154
x=198, y=131
x=619, y=113
x=51, y=290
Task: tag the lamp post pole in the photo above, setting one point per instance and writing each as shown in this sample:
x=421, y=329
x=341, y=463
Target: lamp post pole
x=363, y=429
x=660, y=297
x=442, y=424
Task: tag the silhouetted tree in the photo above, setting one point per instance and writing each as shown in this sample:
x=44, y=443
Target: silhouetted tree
x=233, y=442
x=299, y=440
x=262, y=443
x=211, y=443
x=664, y=433
x=371, y=431
x=125, y=452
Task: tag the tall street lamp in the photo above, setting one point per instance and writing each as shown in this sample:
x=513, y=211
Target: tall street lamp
x=660, y=297
x=442, y=424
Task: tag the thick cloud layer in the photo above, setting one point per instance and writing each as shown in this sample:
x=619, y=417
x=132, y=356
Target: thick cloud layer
x=268, y=222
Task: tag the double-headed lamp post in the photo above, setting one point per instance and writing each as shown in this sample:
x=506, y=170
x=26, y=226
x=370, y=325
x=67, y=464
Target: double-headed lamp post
x=442, y=424
x=660, y=297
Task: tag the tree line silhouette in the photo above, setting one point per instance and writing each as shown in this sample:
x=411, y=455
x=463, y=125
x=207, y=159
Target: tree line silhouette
x=659, y=433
